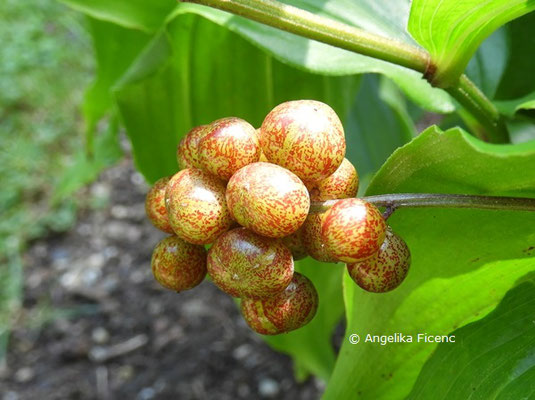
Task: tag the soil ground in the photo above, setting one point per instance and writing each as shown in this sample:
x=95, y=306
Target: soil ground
x=95, y=324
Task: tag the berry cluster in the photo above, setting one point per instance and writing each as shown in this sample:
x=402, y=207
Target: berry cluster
x=248, y=192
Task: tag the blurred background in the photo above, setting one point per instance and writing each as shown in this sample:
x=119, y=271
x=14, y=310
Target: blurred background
x=80, y=315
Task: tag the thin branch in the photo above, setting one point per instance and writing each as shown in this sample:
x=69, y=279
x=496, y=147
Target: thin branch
x=335, y=33
x=399, y=200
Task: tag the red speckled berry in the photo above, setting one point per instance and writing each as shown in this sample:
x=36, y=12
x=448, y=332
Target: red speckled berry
x=196, y=206
x=244, y=264
x=353, y=230
x=289, y=310
x=267, y=199
x=295, y=243
x=304, y=136
x=187, y=151
x=155, y=205
x=344, y=183
x=312, y=241
x=177, y=264
x=231, y=143
x=385, y=270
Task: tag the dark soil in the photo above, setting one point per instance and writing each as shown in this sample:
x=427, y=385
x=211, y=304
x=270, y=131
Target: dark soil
x=95, y=324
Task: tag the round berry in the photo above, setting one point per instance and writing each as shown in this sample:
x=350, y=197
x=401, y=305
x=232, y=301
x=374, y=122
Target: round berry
x=177, y=264
x=304, y=136
x=187, y=150
x=385, y=270
x=196, y=206
x=155, y=205
x=353, y=230
x=267, y=199
x=312, y=240
x=230, y=143
x=295, y=243
x=284, y=312
x=342, y=184
x=244, y=264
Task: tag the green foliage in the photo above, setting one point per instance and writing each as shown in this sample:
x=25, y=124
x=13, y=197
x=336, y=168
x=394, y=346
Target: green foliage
x=452, y=31
x=504, y=338
x=463, y=263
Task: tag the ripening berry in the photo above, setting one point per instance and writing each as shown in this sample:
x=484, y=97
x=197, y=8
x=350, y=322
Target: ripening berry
x=385, y=270
x=304, y=136
x=353, y=230
x=196, y=206
x=342, y=184
x=177, y=264
x=187, y=150
x=229, y=144
x=155, y=205
x=245, y=264
x=289, y=310
x=267, y=199
x=295, y=243
x=312, y=241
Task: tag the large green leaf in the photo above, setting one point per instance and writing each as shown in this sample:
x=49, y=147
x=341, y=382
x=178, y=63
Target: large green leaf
x=380, y=17
x=504, y=338
x=135, y=14
x=517, y=81
x=452, y=30
x=464, y=261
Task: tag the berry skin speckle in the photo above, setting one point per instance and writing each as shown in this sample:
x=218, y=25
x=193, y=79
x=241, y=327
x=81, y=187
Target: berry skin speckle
x=155, y=205
x=245, y=264
x=196, y=206
x=187, y=154
x=268, y=199
x=177, y=264
x=304, y=136
x=284, y=312
x=353, y=230
x=385, y=270
x=228, y=145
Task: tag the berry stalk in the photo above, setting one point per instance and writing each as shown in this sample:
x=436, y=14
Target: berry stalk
x=394, y=201
x=306, y=24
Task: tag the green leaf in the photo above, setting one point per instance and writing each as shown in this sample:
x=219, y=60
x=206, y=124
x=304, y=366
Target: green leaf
x=196, y=72
x=516, y=80
x=381, y=17
x=142, y=15
x=377, y=16
x=377, y=125
x=522, y=106
x=452, y=31
x=488, y=64
x=504, y=338
x=463, y=261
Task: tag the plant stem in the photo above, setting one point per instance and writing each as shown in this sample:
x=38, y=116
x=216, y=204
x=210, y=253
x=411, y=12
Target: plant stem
x=338, y=34
x=326, y=30
x=475, y=102
x=398, y=200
